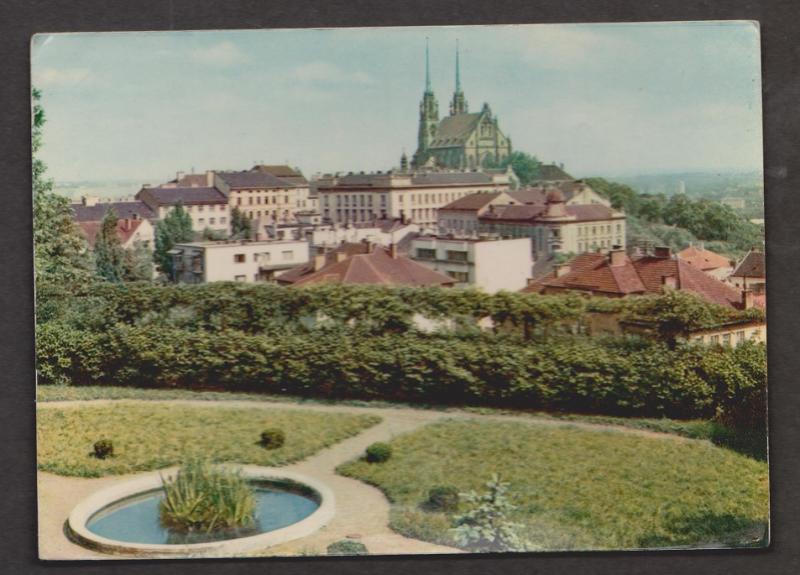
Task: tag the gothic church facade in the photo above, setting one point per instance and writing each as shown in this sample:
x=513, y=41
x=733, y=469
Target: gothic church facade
x=461, y=140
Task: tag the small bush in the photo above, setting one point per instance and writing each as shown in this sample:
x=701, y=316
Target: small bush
x=347, y=547
x=203, y=498
x=103, y=448
x=272, y=438
x=443, y=498
x=379, y=452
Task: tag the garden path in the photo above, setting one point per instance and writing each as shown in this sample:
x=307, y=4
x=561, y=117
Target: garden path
x=362, y=511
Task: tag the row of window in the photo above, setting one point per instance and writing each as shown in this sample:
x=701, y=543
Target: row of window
x=266, y=257
x=584, y=230
x=738, y=337
x=366, y=200
x=587, y=246
x=212, y=221
x=258, y=199
x=201, y=208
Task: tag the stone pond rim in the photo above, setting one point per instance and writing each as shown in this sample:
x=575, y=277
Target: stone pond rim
x=84, y=511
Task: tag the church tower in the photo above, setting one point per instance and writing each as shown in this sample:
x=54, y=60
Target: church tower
x=459, y=103
x=428, y=117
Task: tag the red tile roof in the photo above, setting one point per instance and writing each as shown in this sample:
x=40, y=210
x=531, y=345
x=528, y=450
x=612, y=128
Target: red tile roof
x=704, y=259
x=376, y=267
x=125, y=230
x=642, y=275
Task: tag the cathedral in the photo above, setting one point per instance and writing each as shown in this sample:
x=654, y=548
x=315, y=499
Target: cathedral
x=461, y=140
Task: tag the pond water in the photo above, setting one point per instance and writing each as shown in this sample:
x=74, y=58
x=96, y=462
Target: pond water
x=135, y=520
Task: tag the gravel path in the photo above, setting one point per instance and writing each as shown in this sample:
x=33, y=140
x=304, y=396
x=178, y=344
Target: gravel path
x=362, y=511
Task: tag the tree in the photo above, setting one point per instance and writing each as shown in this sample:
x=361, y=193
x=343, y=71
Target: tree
x=61, y=257
x=525, y=166
x=174, y=229
x=109, y=255
x=138, y=263
x=241, y=226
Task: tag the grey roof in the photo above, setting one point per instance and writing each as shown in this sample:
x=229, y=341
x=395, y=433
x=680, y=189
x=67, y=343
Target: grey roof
x=552, y=173
x=752, y=266
x=454, y=130
x=188, y=196
x=385, y=180
x=253, y=179
x=124, y=210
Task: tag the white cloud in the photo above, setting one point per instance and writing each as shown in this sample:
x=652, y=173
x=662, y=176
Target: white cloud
x=327, y=73
x=220, y=54
x=49, y=77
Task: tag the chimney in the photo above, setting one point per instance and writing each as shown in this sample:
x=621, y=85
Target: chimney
x=178, y=176
x=616, y=257
x=701, y=245
x=393, y=250
x=135, y=216
x=319, y=262
x=561, y=269
x=210, y=178
x=669, y=282
x=662, y=252
x=747, y=299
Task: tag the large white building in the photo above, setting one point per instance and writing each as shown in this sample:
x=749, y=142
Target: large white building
x=207, y=205
x=488, y=263
x=239, y=260
x=401, y=194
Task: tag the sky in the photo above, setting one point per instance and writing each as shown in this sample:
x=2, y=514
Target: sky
x=603, y=99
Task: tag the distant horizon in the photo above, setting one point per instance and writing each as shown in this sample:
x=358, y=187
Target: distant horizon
x=604, y=99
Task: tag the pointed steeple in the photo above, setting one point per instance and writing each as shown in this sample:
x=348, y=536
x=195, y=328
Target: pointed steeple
x=459, y=103
x=427, y=69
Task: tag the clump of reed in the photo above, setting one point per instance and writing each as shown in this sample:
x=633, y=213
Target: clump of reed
x=202, y=497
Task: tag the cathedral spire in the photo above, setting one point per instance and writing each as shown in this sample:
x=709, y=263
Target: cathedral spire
x=427, y=69
x=459, y=103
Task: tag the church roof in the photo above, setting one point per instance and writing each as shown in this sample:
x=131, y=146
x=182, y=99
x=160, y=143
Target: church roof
x=454, y=130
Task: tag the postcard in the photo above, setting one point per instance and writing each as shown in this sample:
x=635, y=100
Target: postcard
x=420, y=290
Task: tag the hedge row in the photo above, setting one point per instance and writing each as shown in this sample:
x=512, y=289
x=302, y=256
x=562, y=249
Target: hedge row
x=573, y=374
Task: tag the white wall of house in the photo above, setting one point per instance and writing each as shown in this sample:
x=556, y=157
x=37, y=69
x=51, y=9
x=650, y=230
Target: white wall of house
x=215, y=217
x=144, y=234
x=242, y=261
x=491, y=265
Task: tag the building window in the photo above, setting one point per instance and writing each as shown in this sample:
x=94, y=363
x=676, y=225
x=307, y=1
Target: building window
x=201, y=220
x=238, y=258
x=456, y=256
x=714, y=339
x=265, y=257
x=212, y=221
x=223, y=220
x=240, y=278
x=461, y=277
x=739, y=337
x=199, y=208
x=287, y=255
x=726, y=338
x=426, y=254
x=238, y=201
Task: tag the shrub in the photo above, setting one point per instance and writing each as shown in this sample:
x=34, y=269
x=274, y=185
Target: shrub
x=443, y=498
x=272, y=438
x=486, y=527
x=379, y=452
x=203, y=498
x=103, y=448
x=347, y=547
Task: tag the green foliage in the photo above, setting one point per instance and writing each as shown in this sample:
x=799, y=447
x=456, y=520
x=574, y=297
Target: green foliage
x=678, y=220
x=347, y=547
x=525, y=166
x=241, y=225
x=61, y=256
x=175, y=228
x=577, y=488
x=378, y=452
x=443, y=498
x=272, y=438
x=204, y=498
x=103, y=448
x=152, y=435
x=137, y=264
x=109, y=255
x=486, y=527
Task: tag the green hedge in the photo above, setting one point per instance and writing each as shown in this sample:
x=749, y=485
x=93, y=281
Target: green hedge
x=576, y=374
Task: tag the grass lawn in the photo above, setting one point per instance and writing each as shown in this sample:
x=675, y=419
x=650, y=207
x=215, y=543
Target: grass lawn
x=578, y=489
x=153, y=436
